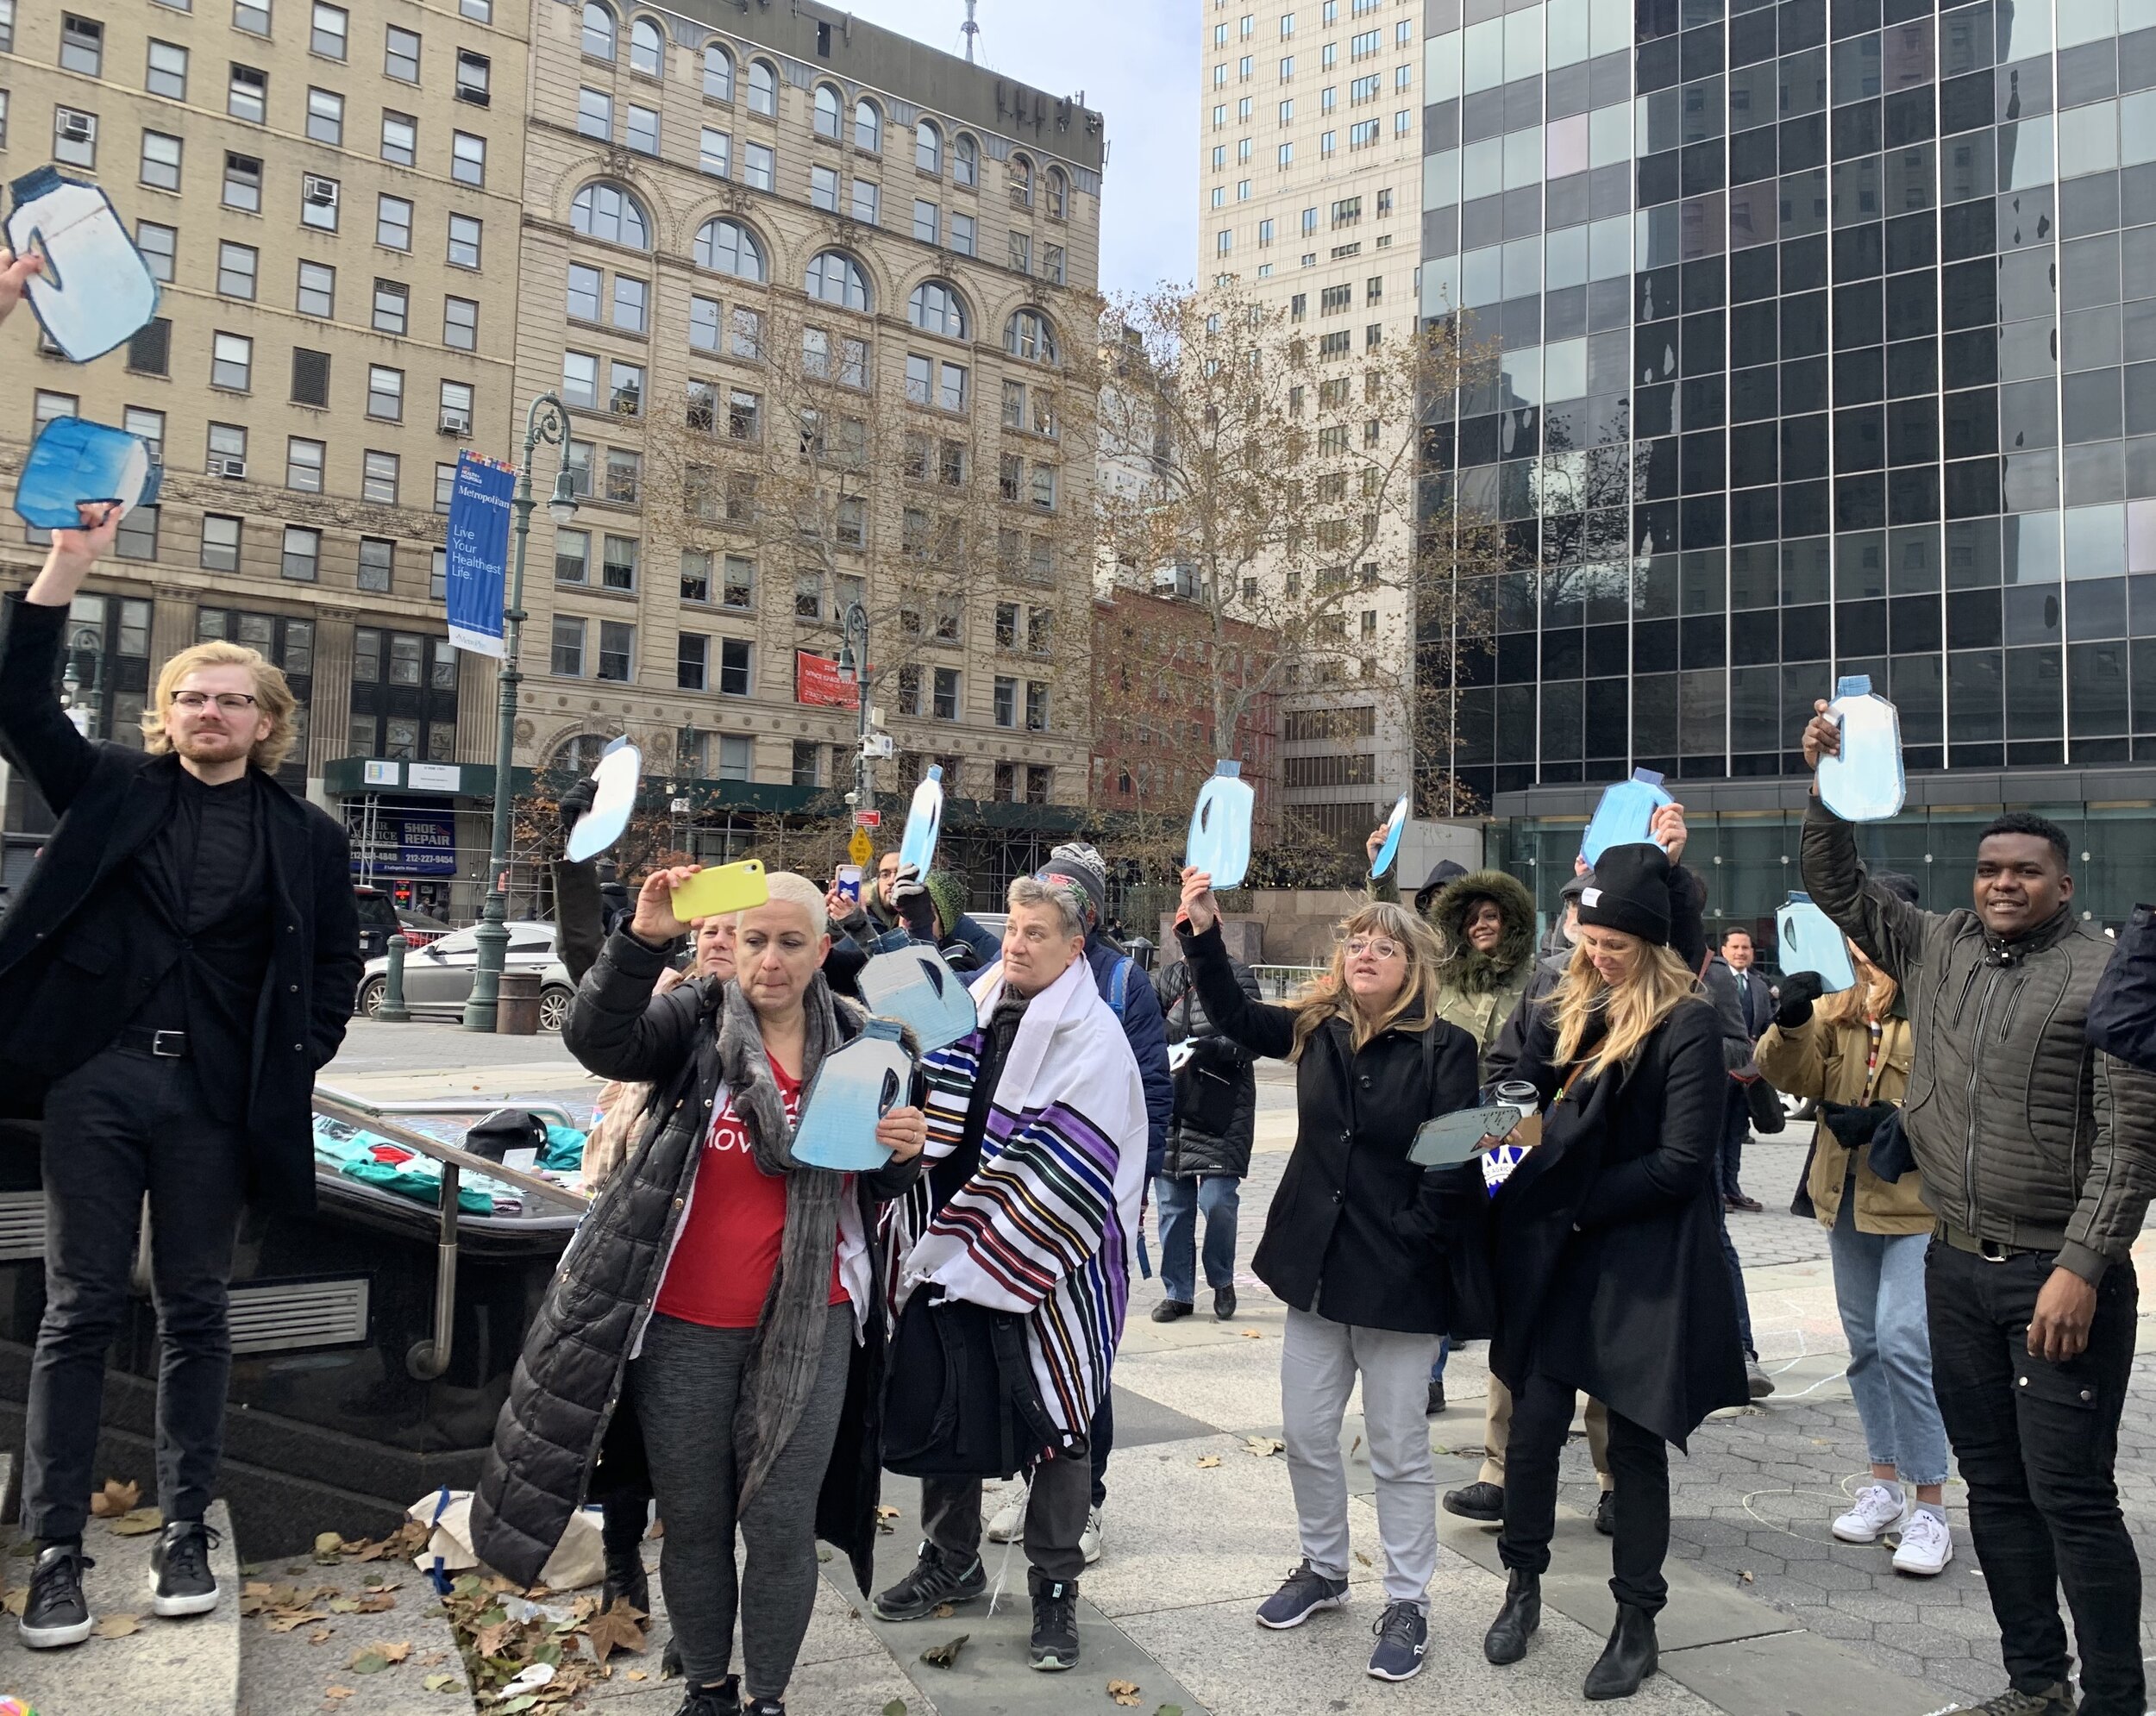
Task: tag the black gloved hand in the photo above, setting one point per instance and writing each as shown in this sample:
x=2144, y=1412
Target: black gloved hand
x=1799, y=990
x=1852, y=1124
x=576, y=802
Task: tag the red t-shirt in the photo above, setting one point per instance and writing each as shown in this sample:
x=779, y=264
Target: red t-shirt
x=720, y=1272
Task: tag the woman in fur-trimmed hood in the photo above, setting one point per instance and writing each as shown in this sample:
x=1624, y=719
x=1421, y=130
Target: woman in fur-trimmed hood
x=1487, y=921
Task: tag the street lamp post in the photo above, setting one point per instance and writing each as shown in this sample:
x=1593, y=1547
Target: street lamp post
x=854, y=658
x=548, y=420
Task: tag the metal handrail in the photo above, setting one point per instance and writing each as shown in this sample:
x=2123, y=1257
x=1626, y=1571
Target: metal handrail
x=429, y=1359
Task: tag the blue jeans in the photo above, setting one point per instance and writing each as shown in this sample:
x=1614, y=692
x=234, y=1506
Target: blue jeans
x=1879, y=1288
x=1180, y=1200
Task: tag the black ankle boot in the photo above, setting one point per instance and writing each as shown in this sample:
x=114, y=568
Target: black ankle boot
x=625, y=1580
x=1507, y=1640
x=1628, y=1659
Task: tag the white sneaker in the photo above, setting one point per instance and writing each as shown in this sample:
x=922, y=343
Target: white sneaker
x=1879, y=1511
x=1927, y=1545
x=1089, y=1539
x=1010, y=1520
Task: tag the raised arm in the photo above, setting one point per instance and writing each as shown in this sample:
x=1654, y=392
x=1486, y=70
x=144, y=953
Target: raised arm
x=38, y=735
x=1259, y=1026
x=1890, y=930
x=616, y=1029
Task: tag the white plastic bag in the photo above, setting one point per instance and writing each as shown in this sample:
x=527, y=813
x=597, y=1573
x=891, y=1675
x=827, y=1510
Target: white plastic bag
x=578, y=1560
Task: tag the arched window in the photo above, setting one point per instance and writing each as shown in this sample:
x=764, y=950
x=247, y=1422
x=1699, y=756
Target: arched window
x=647, y=49
x=579, y=753
x=1029, y=336
x=1058, y=193
x=868, y=127
x=965, y=164
x=728, y=248
x=606, y=211
x=763, y=87
x=928, y=147
x=827, y=111
x=936, y=308
x=718, y=72
x=835, y=278
x=599, y=30
x=1020, y=173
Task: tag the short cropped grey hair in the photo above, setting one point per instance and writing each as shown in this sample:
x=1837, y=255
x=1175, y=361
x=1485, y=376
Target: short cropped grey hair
x=1070, y=910
x=789, y=889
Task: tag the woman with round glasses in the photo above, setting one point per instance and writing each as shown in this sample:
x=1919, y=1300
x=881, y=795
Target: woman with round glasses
x=1355, y=1241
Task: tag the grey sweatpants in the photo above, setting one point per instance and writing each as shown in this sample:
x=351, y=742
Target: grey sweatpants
x=685, y=1385
x=1319, y=1363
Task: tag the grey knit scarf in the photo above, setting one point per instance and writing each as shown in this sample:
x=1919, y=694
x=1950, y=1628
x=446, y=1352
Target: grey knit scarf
x=787, y=1350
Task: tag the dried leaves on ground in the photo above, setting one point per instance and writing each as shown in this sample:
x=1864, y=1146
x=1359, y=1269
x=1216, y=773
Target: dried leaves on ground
x=115, y=1499
x=944, y=1656
x=1123, y=1692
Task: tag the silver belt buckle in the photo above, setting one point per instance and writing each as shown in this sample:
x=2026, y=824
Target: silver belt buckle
x=1991, y=1250
x=170, y=1045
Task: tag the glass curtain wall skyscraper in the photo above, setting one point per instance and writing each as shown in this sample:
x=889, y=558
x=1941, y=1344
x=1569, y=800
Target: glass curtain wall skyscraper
x=1823, y=341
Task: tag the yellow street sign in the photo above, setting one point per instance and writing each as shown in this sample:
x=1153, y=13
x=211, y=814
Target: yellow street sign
x=859, y=848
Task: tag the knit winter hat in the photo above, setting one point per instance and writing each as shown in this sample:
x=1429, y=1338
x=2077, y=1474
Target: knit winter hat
x=1902, y=887
x=1630, y=890
x=948, y=895
x=1078, y=867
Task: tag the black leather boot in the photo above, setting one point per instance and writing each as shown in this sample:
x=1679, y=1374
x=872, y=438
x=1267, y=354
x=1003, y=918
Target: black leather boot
x=1628, y=1659
x=1507, y=1640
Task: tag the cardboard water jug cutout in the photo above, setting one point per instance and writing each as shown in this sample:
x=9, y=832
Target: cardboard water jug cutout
x=1394, y=824
x=1447, y=1140
x=856, y=1086
x=916, y=987
x=73, y=464
x=1810, y=942
x=96, y=290
x=1864, y=783
x=923, y=822
x=619, y=772
x=1220, y=842
x=1625, y=813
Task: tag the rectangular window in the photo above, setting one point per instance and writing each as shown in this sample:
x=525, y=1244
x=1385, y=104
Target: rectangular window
x=625, y=476
x=625, y=388
x=401, y=55
x=400, y=138
x=242, y=182
x=325, y=116
x=385, y=392
x=455, y=406
x=332, y=29
x=251, y=17
x=704, y=325
x=617, y=651
x=159, y=246
x=147, y=426
x=82, y=45
x=567, y=654
x=302, y=561
x=393, y=224
x=464, y=241
x=715, y=153
x=585, y=286
x=757, y=166
x=475, y=77
x=945, y=707
x=867, y=201
x=150, y=348
x=219, y=542
x=1007, y=702
x=160, y=163
x=318, y=199
x=167, y=74
x=823, y=188
x=691, y=653
x=246, y=95
x=461, y=324
x=926, y=227
x=310, y=377
x=318, y=292
x=378, y=562
x=74, y=137
x=807, y=764
x=467, y=157
x=961, y=233
x=642, y=132
x=734, y=659
x=236, y=269
x=737, y=756
x=572, y=557
x=631, y=297
x=595, y=114
x=231, y=362
x=1036, y=706
x=1044, y=487
x=696, y=575
x=617, y=563
x=1021, y=252
x=744, y=336
x=378, y=478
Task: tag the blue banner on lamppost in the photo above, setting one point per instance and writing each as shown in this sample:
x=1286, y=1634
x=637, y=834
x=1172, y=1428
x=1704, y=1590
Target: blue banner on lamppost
x=479, y=553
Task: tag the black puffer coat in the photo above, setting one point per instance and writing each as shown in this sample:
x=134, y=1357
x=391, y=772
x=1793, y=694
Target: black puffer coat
x=1216, y=1058
x=567, y=1406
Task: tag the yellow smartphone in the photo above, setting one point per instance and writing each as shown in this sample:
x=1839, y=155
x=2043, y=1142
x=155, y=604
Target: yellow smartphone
x=728, y=887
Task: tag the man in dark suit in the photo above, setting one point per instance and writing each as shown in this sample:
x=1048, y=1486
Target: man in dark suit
x=181, y=960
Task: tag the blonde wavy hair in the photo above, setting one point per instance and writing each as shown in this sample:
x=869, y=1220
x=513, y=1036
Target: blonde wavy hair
x=1658, y=983
x=1859, y=1002
x=273, y=697
x=1415, y=1008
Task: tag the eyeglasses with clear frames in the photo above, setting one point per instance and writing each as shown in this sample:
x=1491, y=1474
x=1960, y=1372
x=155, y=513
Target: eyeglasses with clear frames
x=232, y=702
x=1376, y=946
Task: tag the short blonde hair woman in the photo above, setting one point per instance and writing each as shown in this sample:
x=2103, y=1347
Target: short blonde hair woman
x=273, y=700
x=1608, y=1248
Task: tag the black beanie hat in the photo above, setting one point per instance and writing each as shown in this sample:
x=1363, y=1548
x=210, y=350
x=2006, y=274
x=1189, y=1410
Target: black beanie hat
x=1901, y=887
x=1630, y=890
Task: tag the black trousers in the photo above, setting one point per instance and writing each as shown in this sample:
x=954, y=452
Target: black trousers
x=1101, y=1437
x=2037, y=1444
x=1054, y=1515
x=123, y=1124
x=1639, y=1464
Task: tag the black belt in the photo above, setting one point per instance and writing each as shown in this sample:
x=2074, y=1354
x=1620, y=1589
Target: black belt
x=166, y=1045
x=1991, y=1250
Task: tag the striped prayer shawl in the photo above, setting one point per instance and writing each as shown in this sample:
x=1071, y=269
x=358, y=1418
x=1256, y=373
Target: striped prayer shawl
x=1047, y=1222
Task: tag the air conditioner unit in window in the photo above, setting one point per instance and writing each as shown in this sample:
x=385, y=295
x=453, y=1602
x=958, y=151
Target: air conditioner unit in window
x=323, y=192
x=234, y=468
x=456, y=422
x=76, y=128
x=628, y=402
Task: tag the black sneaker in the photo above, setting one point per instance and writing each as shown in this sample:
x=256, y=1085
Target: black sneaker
x=1605, y=1513
x=2056, y=1699
x=1304, y=1594
x=723, y=1699
x=1436, y=1404
x=937, y=1577
x=1054, y=1646
x=1170, y=1310
x=1482, y=1501
x=1223, y=1304
x=764, y=1706
x=180, y=1565
x=1403, y=1634
x=55, y=1613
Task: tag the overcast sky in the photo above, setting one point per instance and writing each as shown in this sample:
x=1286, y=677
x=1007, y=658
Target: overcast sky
x=1137, y=60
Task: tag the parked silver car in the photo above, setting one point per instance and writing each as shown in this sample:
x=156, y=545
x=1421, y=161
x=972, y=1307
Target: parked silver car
x=438, y=976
